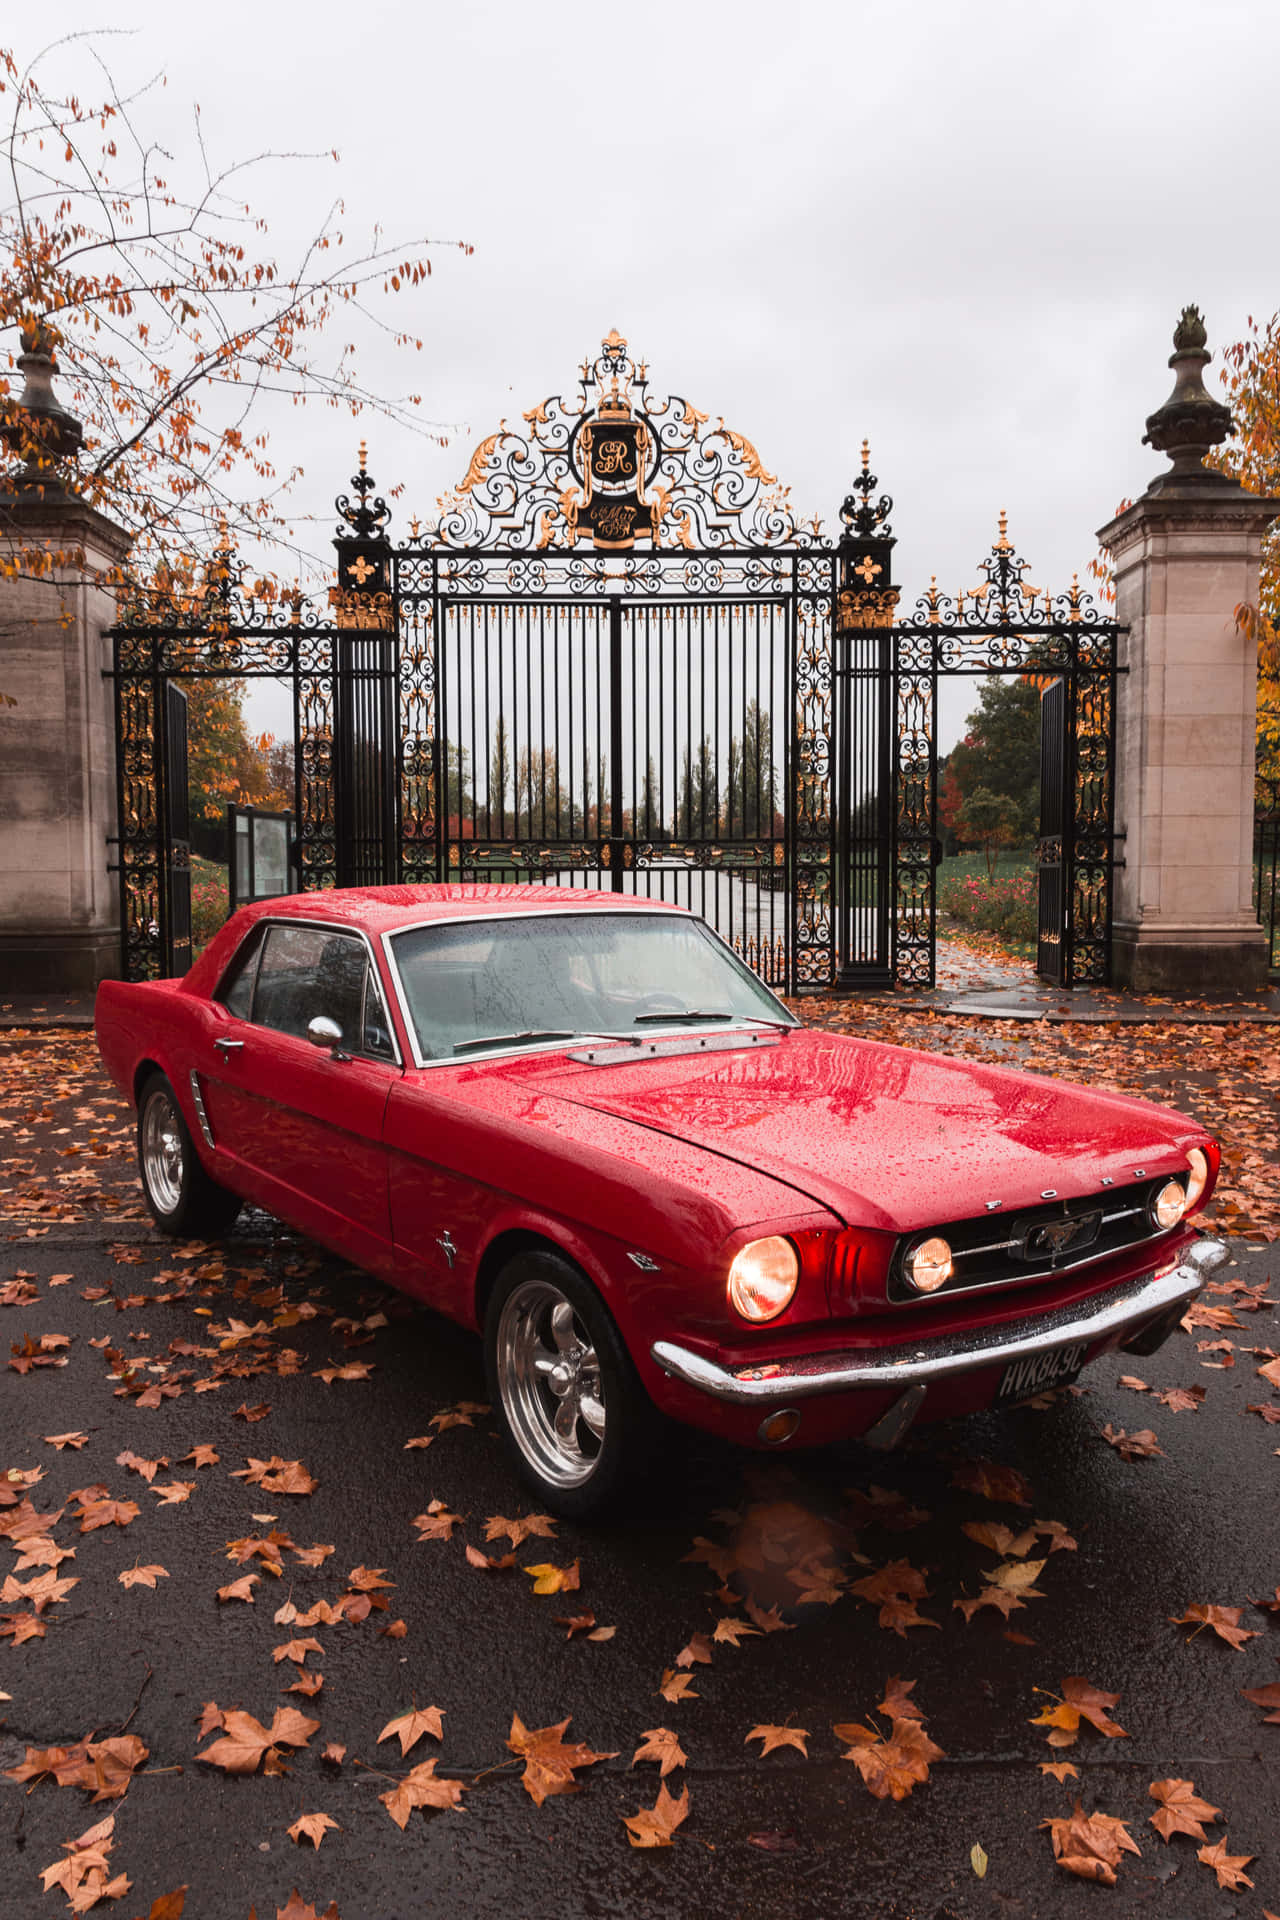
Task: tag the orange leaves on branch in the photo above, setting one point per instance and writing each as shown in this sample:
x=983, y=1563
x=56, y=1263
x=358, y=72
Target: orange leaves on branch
x=549, y=1760
x=421, y=1788
x=409, y=1728
x=654, y=1826
x=1180, y=1810
x=1225, y=1622
x=245, y=1741
x=1081, y=1700
x=1090, y=1845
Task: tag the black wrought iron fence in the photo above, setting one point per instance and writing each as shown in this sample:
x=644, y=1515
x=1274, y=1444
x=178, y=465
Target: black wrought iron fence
x=1266, y=865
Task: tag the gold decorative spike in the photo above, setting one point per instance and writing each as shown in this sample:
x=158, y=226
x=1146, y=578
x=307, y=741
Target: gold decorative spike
x=414, y=528
x=866, y=456
x=364, y=457
x=614, y=341
x=1002, y=544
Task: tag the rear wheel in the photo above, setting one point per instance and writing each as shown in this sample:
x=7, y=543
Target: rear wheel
x=181, y=1196
x=572, y=1409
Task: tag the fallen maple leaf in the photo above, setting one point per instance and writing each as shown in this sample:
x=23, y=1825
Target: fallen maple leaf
x=241, y=1589
x=103, y=1768
x=733, y=1631
x=1061, y=1770
x=1001, y=1539
x=107, y=1513
x=308, y=1683
x=437, y=1523
x=1090, y=1845
x=1268, y=1696
x=548, y=1578
x=541, y=1525
x=297, y=1908
x=245, y=1740
x=422, y=1440
x=168, y=1906
x=550, y=1760
x=83, y=1874
x=421, y=1788
x=147, y=1468
x=354, y=1370
x=896, y=1588
x=1180, y=1809
x=335, y=1753
x=173, y=1492
x=1142, y=1445
x=296, y=1650
x=201, y=1456
x=654, y=1826
x=410, y=1727
x=312, y=1556
x=137, y=1576
x=312, y=1827
x=277, y=1476
x=259, y=1412
x=1228, y=1867
x=662, y=1745
x=1225, y=1622
x=993, y=1482
x=677, y=1686
x=891, y=1768
x=697, y=1652
x=63, y=1440
x=497, y=1563
x=773, y=1736
x=1182, y=1399
x=1081, y=1700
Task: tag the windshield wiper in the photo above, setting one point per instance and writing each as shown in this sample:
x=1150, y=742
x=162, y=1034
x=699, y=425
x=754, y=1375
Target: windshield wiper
x=679, y=1014
x=527, y=1038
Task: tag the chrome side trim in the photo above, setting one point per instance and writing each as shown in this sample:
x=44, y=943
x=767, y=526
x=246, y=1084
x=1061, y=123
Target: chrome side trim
x=201, y=1115
x=895, y=1368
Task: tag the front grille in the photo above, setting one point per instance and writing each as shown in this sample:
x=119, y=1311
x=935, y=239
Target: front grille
x=1039, y=1242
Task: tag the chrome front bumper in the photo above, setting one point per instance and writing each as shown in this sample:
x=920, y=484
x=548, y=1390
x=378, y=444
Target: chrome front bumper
x=1134, y=1304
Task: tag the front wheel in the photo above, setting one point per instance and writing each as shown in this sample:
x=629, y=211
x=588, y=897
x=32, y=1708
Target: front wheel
x=566, y=1395
x=182, y=1198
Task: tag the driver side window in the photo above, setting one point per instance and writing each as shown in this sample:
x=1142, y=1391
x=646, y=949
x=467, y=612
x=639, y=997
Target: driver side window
x=307, y=971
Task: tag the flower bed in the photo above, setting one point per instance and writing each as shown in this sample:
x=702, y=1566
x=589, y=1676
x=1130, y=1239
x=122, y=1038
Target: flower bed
x=1005, y=904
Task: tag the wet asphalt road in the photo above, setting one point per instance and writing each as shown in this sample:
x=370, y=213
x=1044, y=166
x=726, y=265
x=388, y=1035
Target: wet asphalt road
x=780, y=1835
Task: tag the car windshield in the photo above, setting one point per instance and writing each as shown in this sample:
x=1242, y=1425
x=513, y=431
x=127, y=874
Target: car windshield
x=517, y=981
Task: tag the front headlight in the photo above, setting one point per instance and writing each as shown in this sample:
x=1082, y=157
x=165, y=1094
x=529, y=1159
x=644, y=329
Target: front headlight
x=762, y=1278
x=1169, y=1204
x=928, y=1266
x=1199, y=1165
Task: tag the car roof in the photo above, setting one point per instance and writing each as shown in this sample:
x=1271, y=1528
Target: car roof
x=383, y=909
x=379, y=910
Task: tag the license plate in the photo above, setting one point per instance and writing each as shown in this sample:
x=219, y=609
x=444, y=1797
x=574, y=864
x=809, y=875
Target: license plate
x=1040, y=1371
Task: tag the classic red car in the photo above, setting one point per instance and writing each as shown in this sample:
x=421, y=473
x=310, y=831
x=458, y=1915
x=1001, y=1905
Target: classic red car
x=576, y=1122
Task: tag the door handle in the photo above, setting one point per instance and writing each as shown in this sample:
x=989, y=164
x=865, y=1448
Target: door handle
x=229, y=1046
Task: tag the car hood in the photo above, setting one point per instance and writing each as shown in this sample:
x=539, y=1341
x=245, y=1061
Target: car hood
x=883, y=1136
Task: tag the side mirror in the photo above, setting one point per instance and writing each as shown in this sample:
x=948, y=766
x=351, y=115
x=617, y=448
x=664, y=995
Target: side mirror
x=323, y=1032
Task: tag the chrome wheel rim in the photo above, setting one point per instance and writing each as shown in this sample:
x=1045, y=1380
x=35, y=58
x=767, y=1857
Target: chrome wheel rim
x=549, y=1380
x=162, y=1156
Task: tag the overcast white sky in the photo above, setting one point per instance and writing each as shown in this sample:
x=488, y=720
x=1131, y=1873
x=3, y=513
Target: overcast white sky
x=963, y=229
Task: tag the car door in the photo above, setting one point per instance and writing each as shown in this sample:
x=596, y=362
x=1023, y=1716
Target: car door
x=303, y=1123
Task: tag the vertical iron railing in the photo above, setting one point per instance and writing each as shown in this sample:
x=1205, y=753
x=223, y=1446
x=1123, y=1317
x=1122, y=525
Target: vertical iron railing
x=1266, y=865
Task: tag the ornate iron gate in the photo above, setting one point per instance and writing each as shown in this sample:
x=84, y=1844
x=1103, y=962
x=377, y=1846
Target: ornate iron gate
x=175, y=914
x=609, y=663
x=1052, y=849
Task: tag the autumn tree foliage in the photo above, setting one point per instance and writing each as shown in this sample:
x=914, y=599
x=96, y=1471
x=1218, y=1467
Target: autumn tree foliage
x=151, y=279
x=1252, y=375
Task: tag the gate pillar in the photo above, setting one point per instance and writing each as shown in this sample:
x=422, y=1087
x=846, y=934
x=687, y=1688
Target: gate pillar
x=1185, y=555
x=59, y=908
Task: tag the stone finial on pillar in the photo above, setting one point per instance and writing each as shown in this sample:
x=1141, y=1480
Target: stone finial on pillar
x=36, y=426
x=1185, y=556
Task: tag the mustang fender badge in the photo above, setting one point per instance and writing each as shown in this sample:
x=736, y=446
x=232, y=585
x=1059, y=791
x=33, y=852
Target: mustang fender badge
x=645, y=1264
x=447, y=1248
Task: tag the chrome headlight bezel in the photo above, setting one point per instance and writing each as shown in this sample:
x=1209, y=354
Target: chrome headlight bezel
x=762, y=1279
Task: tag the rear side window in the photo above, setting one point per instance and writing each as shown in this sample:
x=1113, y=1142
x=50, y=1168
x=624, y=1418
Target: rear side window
x=235, y=989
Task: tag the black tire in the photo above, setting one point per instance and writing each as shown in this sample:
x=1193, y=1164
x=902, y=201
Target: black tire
x=182, y=1198
x=588, y=1475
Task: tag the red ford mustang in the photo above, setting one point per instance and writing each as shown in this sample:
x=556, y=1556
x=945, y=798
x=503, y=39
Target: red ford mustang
x=577, y=1122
